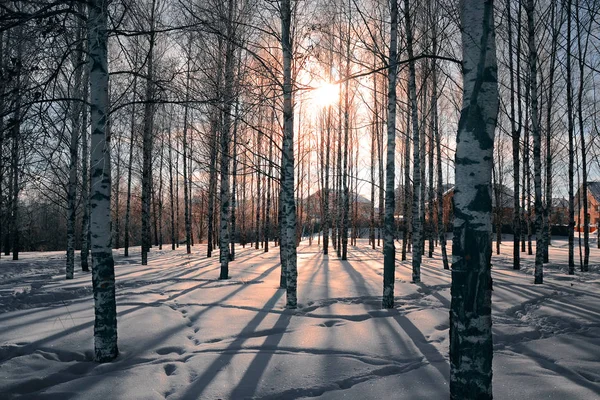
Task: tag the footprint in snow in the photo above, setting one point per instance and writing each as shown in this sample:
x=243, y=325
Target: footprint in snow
x=332, y=322
x=170, y=369
x=169, y=349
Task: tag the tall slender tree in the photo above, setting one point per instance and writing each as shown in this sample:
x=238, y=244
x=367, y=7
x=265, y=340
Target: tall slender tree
x=416, y=189
x=537, y=145
x=103, y=271
x=148, y=138
x=225, y=139
x=287, y=157
x=571, y=148
x=389, y=250
x=515, y=134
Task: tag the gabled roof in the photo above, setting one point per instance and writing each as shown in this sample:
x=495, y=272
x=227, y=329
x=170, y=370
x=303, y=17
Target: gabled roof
x=560, y=202
x=353, y=196
x=594, y=189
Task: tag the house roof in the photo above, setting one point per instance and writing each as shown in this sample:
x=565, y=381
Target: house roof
x=353, y=196
x=560, y=202
x=594, y=189
x=506, y=195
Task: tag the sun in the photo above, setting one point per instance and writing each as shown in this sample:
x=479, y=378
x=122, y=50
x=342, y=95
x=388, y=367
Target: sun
x=326, y=94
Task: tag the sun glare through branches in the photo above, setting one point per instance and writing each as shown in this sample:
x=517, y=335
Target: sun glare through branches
x=326, y=94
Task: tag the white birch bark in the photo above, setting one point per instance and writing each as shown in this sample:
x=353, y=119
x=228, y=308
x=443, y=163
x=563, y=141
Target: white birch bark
x=186, y=191
x=537, y=146
x=470, y=310
x=76, y=109
x=412, y=94
x=103, y=272
x=287, y=192
x=85, y=177
x=225, y=154
x=389, y=250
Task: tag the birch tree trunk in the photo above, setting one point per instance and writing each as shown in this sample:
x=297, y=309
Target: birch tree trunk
x=380, y=170
x=15, y=149
x=147, y=142
x=515, y=133
x=3, y=221
x=258, y=190
x=234, y=184
x=189, y=182
x=16, y=137
x=76, y=110
x=282, y=233
x=430, y=229
x=373, y=136
x=103, y=272
x=287, y=192
x=326, y=223
x=412, y=94
x=571, y=147
x=160, y=193
x=407, y=185
x=225, y=138
x=389, y=250
x=423, y=152
x=582, y=53
x=470, y=310
x=212, y=187
x=267, y=227
x=116, y=185
x=346, y=195
x=85, y=174
x=537, y=146
x=550, y=102
x=171, y=194
x=438, y=150
x=186, y=191
x=130, y=164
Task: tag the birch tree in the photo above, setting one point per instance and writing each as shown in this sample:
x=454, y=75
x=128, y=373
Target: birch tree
x=287, y=158
x=148, y=139
x=412, y=94
x=515, y=133
x=225, y=139
x=537, y=146
x=571, y=145
x=470, y=309
x=389, y=250
x=103, y=271
x=76, y=110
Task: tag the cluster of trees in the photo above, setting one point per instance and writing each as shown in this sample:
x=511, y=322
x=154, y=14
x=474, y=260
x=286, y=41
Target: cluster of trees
x=147, y=122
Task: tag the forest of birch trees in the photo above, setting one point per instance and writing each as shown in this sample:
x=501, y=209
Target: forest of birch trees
x=168, y=123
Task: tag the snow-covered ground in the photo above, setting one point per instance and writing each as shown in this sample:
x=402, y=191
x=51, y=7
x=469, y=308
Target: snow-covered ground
x=183, y=334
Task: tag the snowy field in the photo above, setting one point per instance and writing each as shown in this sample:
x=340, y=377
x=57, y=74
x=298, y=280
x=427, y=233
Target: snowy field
x=183, y=334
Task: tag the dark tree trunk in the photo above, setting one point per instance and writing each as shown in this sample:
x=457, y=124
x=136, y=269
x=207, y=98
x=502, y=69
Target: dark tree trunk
x=147, y=142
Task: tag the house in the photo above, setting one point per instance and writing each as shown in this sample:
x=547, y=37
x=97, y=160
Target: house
x=502, y=205
x=311, y=208
x=593, y=200
x=559, y=214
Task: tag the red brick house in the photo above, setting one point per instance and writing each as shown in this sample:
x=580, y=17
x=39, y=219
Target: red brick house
x=504, y=210
x=593, y=199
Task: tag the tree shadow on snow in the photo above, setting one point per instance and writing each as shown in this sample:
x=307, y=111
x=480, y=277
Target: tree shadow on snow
x=251, y=378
